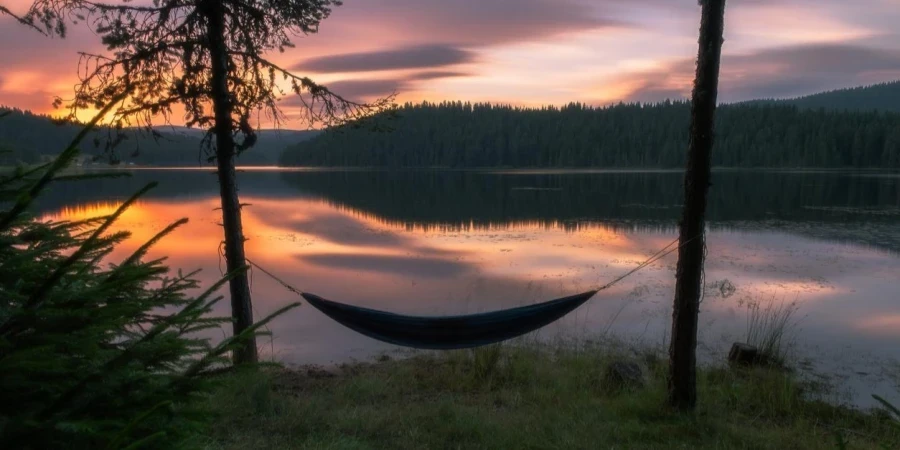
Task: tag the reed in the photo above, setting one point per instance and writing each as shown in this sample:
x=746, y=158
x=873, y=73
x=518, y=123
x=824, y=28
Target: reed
x=770, y=328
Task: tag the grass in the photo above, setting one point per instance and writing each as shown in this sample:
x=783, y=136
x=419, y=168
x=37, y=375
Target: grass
x=769, y=327
x=505, y=397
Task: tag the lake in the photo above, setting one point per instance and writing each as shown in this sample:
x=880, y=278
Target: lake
x=450, y=242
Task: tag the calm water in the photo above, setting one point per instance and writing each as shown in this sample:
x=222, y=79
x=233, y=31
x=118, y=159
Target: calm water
x=425, y=242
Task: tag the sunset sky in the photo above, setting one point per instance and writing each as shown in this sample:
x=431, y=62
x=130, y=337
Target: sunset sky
x=535, y=52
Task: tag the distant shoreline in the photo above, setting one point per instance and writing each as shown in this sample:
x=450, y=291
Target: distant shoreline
x=495, y=170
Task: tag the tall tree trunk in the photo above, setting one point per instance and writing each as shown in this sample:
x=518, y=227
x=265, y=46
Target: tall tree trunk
x=239, y=286
x=682, y=379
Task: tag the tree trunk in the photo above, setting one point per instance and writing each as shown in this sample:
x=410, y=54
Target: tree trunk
x=682, y=379
x=239, y=286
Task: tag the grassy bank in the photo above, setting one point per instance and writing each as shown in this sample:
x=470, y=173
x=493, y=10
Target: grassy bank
x=530, y=398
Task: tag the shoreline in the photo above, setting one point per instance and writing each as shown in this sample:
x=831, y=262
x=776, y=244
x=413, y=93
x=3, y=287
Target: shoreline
x=493, y=170
x=505, y=396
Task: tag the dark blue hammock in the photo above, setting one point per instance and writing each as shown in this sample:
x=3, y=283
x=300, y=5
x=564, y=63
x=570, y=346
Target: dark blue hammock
x=448, y=332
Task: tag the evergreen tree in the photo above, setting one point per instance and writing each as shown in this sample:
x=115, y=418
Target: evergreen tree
x=95, y=355
x=206, y=57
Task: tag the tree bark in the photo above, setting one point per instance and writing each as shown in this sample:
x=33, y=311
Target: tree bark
x=682, y=377
x=239, y=286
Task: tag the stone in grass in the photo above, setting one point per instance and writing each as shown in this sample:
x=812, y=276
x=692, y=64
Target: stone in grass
x=742, y=354
x=623, y=375
x=314, y=371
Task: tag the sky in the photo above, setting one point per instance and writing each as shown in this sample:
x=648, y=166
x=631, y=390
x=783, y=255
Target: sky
x=536, y=52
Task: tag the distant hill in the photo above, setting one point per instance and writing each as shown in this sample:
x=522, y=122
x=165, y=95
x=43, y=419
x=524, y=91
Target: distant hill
x=876, y=97
x=269, y=143
x=26, y=137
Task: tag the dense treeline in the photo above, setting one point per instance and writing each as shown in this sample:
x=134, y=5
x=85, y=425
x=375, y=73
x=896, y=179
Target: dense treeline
x=26, y=137
x=456, y=134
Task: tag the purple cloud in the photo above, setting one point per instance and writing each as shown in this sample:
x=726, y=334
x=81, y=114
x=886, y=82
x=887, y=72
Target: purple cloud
x=467, y=22
x=777, y=72
x=423, y=56
x=363, y=90
x=435, y=74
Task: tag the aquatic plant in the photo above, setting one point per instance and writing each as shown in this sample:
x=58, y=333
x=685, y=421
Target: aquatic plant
x=769, y=329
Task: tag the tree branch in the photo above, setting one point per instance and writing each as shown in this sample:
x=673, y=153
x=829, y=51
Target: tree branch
x=21, y=20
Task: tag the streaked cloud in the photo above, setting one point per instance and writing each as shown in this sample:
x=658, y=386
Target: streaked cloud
x=465, y=22
x=422, y=56
x=435, y=74
x=365, y=89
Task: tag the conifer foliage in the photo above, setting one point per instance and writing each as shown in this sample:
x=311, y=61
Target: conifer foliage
x=96, y=355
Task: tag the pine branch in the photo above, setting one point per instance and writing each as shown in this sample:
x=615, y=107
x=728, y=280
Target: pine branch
x=21, y=20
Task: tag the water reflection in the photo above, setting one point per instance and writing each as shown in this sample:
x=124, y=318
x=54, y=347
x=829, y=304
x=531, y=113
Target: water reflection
x=458, y=242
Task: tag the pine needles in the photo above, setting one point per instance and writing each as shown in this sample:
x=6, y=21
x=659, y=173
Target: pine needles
x=87, y=359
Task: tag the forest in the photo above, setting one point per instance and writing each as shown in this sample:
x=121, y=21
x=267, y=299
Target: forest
x=854, y=127
x=466, y=135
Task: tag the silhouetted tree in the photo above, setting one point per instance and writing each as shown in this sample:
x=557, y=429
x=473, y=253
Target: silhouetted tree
x=205, y=60
x=682, y=379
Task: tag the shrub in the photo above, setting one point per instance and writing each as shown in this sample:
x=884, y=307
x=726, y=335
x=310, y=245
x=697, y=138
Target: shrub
x=96, y=355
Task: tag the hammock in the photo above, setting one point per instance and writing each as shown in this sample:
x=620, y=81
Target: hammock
x=447, y=332
x=453, y=332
